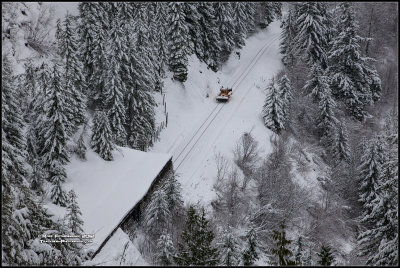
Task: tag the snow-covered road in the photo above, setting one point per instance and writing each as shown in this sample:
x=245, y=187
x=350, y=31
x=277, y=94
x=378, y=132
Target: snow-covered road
x=202, y=128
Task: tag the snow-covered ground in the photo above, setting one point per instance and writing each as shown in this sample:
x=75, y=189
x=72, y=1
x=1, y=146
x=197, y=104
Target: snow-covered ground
x=199, y=127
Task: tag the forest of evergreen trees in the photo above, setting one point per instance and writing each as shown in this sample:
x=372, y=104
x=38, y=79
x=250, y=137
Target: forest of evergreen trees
x=336, y=94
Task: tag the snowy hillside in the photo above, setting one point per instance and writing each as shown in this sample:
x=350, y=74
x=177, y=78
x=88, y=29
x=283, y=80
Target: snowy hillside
x=111, y=128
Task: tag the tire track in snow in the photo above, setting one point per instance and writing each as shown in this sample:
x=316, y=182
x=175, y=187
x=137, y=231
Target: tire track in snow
x=214, y=114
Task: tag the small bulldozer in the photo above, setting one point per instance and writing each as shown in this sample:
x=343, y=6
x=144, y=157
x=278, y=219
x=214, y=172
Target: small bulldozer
x=224, y=94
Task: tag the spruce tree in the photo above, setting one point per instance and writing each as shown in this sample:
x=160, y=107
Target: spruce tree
x=369, y=174
x=191, y=19
x=115, y=85
x=272, y=11
x=173, y=189
x=250, y=255
x=352, y=81
x=141, y=113
x=55, y=128
x=196, y=246
x=156, y=215
x=139, y=102
x=326, y=118
x=81, y=147
x=12, y=126
x=308, y=258
x=73, y=76
x=239, y=17
x=223, y=17
x=289, y=31
x=210, y=49
x=312, y=36
x=299, y=253
x=380, y=241
x=250, y=9
x=274, y=116
x=286, y=95
x=73, y=217
x=229, y=249
x=57, y=177
x=161, y=44
x=317, y=83
x=326, y=256
x=143, y=44
x=165, y=250
x=341, y=144
x=178, y=41
x=102, y=140
x=281, y=250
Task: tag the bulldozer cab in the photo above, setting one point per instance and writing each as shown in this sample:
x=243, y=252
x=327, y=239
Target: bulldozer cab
x=224, y=94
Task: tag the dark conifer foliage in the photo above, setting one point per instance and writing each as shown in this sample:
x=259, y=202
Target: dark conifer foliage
x=281, y=250
x=196, y=248
x=326, y=256
x=178, y=34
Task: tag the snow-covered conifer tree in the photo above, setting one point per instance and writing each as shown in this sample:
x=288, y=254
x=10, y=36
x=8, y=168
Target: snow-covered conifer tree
x=74, y=79
x=250, y=10
x=273, y=10
x=370, y=172
x=165, y=250
x=288, y=34
x=102, y=139
x=312, y=36
x=156, y=215
x=317, y=83
x=209, y=51
x=239, y=17
x=326, y=118
x=95, y=28
x=143, y=44
x=229, y=249
x=281, y=250
x=139, y=102
x=115, y=85
x=379, y=242
x=223, y=17
x=173, y=189
x=196, y=247
x=285, y=89
x=272, y=112
x=299, y=252
x=326, y=256
x=192, y=18
x=351, y=79
x=341, y=144
x=12, y=125
x=178, y=41
x=250, y=253
x=161, y=43
x=55, y=129
x=74, y=220
x=58, y=176
x=81, y=148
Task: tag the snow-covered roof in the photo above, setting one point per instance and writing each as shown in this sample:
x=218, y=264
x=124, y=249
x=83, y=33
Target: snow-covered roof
x=118, y=251
x=108, y=190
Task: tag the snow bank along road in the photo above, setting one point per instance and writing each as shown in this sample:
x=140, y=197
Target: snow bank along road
x=193, y=154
